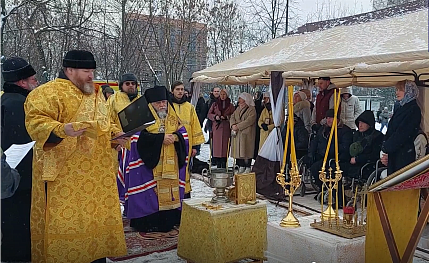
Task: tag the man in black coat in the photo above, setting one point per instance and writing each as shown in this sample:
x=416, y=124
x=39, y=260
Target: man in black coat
x=201, y=110
x=19, y=77
x=319, y=145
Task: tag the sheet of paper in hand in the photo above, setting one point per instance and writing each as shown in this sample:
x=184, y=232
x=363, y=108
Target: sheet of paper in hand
x=17, y=152
x=135, y=117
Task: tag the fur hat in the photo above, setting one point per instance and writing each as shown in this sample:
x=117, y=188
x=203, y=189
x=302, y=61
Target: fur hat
x=81, y=59
x=127, y=77
x=15, y=68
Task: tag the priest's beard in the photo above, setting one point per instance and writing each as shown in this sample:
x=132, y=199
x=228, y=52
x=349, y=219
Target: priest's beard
x=162, y=114
x=85, y=86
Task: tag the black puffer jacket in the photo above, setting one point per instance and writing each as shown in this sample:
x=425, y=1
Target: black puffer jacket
x=319, y=144
x=300, y=135
x=371, y=140
x=399, y=140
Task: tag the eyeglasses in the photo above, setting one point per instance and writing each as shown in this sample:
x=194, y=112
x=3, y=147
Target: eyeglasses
x=129, y=83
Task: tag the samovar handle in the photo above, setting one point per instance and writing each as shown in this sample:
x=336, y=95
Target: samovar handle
x=206, y=176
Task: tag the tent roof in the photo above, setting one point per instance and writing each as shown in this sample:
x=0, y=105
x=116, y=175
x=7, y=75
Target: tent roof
x=376, y=53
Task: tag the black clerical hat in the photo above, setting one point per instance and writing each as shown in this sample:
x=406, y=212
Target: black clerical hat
x=156, y=93
x=16, y=68
x=79, y=59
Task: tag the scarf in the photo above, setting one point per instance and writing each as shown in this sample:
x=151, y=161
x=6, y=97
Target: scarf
x=411, y=92
x=223, y=105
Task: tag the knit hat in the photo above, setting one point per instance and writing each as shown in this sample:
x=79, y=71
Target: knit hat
x=330, y=114
x=16, y=68
x=108, y=89
x=81, y=59
x=302, y=95
x=325, y=78
x=266, y=94
x=156, y=93
x=127, y=77
x=307, y=93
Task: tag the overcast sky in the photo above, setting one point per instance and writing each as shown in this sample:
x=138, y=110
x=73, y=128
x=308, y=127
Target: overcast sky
x=309, y=8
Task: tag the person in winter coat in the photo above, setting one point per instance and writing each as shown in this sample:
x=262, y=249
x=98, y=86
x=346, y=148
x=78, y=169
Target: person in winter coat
x=214, y=95
x=9, y=181
x=201, y=109
x=107, y=91
x=350, y=107
x=258, y=99
x=384, y=119
x=324, y=100
x=309, y=98
x=220, y=113
x=300, y=134
x=366, y=144
x=319, y=145
x=265, y=122
x=20, y=80
x=242, y=123
x=398, y=147
x=302, y=109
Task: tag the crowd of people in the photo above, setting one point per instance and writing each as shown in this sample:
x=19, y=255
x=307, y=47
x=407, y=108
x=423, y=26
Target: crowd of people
x=62, y=202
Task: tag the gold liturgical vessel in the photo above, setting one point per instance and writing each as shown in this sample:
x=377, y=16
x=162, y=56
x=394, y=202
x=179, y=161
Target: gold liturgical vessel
x=294, y=177
x=330, y=222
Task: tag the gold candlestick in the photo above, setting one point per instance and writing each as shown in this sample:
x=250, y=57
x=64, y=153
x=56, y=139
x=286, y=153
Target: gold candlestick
x=294, y=177
x=295, y=181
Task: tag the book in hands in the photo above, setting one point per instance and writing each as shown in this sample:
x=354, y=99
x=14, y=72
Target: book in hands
x=135, y=117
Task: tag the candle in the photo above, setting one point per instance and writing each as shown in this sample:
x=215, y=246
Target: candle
x=227, y=154
x=354, y=201
x=342, y=187
x=336, y=201
x=321, y=201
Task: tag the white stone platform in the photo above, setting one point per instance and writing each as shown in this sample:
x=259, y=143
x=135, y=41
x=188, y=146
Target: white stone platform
x=307, y=245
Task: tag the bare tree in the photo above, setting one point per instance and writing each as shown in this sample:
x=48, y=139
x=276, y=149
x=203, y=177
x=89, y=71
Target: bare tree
x=269, y=19
x=225, y=31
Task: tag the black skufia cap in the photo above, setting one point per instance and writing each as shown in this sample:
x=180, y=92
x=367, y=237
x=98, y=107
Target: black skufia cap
x=16, y=68
x=156, y=93
x=81, y=59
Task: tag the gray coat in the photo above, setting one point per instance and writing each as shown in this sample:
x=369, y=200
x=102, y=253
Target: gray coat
x=243, y=144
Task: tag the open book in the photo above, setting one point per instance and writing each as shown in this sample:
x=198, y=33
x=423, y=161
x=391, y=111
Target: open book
x=135, y=117
x=412, y=176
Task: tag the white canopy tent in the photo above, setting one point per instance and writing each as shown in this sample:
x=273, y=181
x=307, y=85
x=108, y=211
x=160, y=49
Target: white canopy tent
x=372, y=54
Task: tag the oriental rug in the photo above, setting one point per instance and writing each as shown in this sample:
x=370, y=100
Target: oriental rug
x=140, y=244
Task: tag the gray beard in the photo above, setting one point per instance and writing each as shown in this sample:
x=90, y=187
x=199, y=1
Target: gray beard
x=162, y=114
x=86, y=88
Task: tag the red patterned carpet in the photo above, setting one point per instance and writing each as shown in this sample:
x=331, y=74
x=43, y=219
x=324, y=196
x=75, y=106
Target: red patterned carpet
x=141, y=244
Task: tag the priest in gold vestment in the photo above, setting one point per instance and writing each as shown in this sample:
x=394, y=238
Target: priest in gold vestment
x=75, y=212
x=127, y=94
x=189, y=119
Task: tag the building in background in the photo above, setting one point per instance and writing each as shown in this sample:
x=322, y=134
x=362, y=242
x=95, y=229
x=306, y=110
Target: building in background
x=387, y=8
x=173, y=48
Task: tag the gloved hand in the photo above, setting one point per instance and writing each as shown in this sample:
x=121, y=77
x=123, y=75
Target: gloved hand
x=315, y=127
x=264, y=126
